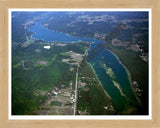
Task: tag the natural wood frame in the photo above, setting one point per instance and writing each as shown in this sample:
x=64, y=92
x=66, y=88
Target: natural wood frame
x=4, y=75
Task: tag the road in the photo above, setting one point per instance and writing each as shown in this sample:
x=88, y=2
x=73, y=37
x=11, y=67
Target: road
x=75, y=103
x=76, y=85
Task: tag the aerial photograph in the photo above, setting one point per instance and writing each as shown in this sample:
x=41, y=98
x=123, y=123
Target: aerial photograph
x=79, y=62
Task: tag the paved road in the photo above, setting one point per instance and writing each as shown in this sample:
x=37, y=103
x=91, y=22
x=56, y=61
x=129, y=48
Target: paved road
x=75, y=104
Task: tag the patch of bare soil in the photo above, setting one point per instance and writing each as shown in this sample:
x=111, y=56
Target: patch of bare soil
x=59, y=102
x=42, y=62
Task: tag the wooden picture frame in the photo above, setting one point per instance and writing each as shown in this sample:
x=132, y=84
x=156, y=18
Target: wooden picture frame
x=4, y=63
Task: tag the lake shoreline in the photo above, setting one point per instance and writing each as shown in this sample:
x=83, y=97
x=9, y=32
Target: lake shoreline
x=100, y=82
x=128, y=74
x=96, y=74
x=84, y=39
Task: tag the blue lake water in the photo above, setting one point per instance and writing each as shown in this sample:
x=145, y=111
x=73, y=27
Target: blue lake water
x=120, y=102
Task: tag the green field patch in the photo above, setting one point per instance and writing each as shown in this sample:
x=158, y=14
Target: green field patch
x=54, y=57
x=64, y=54
x=52, y=103
x=39, y=65
x=55, y=103
x=16, y=65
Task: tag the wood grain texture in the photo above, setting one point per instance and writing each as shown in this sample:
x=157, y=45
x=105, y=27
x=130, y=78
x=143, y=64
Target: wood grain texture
x=6, y=4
